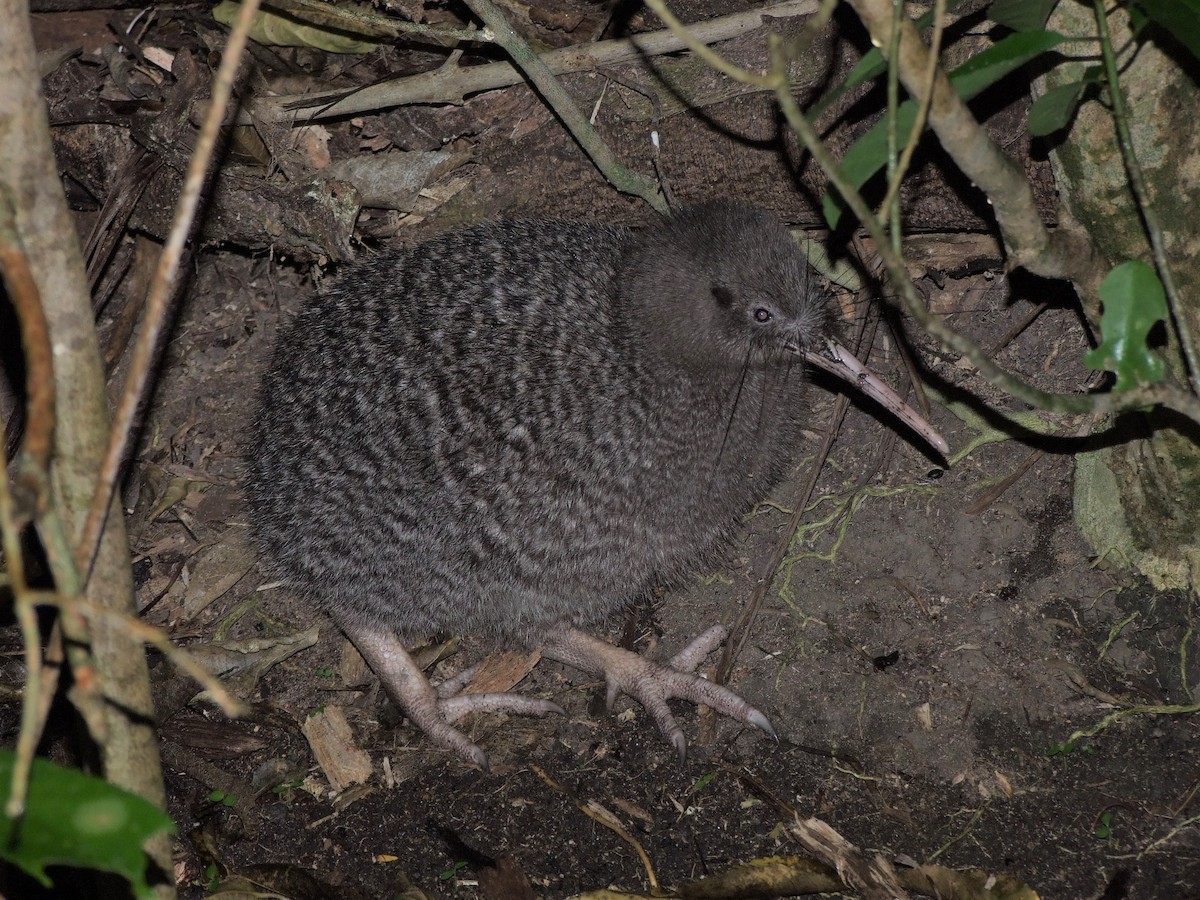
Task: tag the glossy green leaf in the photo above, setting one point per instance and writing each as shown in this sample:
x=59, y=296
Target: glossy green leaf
x=1134, y=302
x=73, y=819
x=869, y=153
x=1021, y=15
x=1181, y=18
x=1006, y=55
x=1053, y=110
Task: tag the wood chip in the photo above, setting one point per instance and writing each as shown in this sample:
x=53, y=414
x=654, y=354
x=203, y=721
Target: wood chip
x=340, y=758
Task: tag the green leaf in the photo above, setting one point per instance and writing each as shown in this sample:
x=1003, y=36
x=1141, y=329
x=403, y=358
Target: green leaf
x=453, y=870
x=74, y=819
x=868, y=154
x=1133, y=301
x=1053, y=110
x=1180, y=18
x=1021, y=15
x=1006, y=55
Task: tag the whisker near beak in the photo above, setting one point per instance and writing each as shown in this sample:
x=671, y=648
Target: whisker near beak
x=837, y=360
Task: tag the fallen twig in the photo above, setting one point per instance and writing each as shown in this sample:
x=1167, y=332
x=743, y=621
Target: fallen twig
x=616, y=172
x=451, y=85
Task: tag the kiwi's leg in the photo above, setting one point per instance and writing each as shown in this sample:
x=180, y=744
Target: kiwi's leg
x=653, y=684
x=425, y=707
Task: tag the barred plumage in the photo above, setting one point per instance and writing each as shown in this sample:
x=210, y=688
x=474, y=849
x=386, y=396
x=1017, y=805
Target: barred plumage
x=525, y=424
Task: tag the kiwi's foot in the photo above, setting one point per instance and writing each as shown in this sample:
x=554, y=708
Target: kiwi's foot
x=432, y=710
x=653, y=684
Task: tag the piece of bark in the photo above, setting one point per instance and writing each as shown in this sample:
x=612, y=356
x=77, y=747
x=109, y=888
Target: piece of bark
x=340, y=758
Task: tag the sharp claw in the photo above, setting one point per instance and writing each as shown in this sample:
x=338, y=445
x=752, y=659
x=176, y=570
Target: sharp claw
x=679, y=742
x=611, y=694
x=478, y=757
x=759, y=721
x=653, y=684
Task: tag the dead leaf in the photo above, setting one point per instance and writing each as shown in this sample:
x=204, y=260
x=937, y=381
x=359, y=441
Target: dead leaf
x=501, y=672
x=215, y=571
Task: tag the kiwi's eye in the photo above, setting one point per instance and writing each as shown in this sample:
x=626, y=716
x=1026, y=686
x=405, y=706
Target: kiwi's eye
x=762, y=314
x=723, y=295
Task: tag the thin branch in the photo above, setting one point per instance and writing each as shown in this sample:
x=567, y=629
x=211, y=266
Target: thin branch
x=148, y=634
x=914, y=137
x=742, y=629
x=1165, y=394
x=1061, y=254
x=34, y=459
x=31, y=732
x=892, y=210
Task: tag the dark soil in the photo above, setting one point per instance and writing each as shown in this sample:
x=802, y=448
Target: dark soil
x=924, y=656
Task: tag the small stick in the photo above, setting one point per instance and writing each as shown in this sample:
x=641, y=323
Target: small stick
x=987, y=498
x=615, y=172
x=1018, y=328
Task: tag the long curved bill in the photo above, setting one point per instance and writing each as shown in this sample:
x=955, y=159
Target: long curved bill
x=837, y=360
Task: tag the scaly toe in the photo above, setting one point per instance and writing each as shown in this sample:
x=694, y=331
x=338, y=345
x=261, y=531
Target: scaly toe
x=679, y=742
x=454, y=708
x=689, y=658
x=653, y=684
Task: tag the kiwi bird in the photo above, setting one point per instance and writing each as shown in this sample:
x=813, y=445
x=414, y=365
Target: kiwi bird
x=515, y=429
